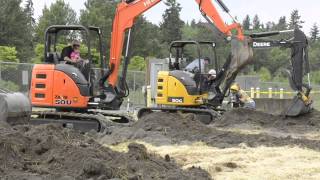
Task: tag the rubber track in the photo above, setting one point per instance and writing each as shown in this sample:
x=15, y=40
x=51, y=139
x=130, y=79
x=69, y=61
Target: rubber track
x=214, y=114
x=99, y=118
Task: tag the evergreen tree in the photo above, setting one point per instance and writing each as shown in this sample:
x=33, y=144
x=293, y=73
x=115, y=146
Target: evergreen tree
x=256, y=23
x=314, y=33
x=100, y=13
x=15, y=27
x=146, y=39
x=282, y=24
x=246, y=23
x=193, y=23
x=59, y=13
x=172, y=24
x=269, y=26
x=27, y=50
x=295, y=20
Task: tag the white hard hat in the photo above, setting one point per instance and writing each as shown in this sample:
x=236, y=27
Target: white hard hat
x=212, y=72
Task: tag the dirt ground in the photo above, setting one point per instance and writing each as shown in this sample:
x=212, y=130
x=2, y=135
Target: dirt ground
x=243, y=144
x=50, y=152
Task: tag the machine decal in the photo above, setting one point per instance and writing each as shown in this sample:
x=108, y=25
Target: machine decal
x=62, y=100
x=176, y=99
x=261, y=44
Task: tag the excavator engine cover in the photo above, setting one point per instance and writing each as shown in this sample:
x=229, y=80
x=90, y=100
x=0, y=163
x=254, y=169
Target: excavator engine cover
x=15, y=108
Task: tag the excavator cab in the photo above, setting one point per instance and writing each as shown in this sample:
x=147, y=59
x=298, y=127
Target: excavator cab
x=57, y=84
x=68, y=92
x=189, y=84
x=183, y=89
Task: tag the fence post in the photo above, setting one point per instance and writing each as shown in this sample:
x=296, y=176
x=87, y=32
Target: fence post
x=252, y=92
x=0, y=71
x=258, y=93
x=134, y=81
x=281, y=93
x=270, y=93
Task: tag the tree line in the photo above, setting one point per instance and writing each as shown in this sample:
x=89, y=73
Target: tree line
x=22, y=36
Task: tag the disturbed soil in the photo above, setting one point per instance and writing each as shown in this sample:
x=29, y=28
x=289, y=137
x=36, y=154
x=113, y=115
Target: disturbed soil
x=236, y=127
x=242, y=144
x=50, y=152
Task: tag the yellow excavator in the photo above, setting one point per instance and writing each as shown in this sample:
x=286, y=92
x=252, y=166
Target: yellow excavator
x=177, y=90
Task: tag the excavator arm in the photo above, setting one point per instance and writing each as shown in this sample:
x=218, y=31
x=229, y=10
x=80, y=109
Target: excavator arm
x=128, y=10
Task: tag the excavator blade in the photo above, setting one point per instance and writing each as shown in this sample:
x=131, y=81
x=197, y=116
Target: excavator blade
x=15, y=108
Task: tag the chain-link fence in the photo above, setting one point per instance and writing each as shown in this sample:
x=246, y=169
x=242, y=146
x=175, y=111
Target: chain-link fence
x=17, y=77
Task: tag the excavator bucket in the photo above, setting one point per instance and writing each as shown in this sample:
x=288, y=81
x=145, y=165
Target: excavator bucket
x=15, y=108
x=242, y=54
x=301, y=103
x=298, y=107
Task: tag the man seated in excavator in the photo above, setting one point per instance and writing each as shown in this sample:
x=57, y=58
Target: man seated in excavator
x=194, y=65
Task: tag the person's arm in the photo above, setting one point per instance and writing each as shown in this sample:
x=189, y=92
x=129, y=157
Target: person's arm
x=65, y=54
x=66, y=58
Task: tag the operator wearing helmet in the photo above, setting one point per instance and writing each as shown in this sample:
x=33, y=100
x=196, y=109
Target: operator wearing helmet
x=212, y=75
x=211, y=84
x=241, y=97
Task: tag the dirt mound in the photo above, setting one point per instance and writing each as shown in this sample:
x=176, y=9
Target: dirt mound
x=241, y=116
x=170, y=128
x=161, y=129
x=50, y=152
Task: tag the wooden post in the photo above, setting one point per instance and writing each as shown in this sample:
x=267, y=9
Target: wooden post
x=258, y=93
x=252, y=92
x=270, y=93
x=281, y=93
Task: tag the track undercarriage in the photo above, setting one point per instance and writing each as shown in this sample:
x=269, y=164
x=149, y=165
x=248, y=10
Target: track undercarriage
x=98, y=121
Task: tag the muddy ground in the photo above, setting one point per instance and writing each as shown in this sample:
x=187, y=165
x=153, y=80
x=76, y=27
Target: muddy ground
x=243, y=144
x=265, y=130
x=50, y=152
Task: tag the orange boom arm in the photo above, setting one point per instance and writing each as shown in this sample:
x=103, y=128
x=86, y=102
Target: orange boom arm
x=126, y=13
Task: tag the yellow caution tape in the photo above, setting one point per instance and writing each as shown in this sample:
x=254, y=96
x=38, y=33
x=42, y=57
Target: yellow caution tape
x=280, y=92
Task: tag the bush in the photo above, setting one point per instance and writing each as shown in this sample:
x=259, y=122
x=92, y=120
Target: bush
x=264, y=74
x=137, y=63
x=8, y=54
x=9, y=85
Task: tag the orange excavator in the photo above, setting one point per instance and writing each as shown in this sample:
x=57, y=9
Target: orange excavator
x=63, y=87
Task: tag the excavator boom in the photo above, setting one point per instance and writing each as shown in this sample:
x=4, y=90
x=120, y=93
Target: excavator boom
x=126, y=13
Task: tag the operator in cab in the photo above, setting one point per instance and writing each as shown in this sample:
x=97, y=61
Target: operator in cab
x=241, y=98
x=193, y=67
x=71, y=54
